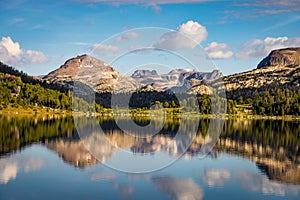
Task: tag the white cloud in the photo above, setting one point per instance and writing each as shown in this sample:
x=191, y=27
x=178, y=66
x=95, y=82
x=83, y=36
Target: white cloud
x=12, y=53
x=258, y=48
x=15, y=21
x=104, y=49
x=218, y=51
x=126, y=36
x=79, y=43
x=31, y=57
x=188, y=35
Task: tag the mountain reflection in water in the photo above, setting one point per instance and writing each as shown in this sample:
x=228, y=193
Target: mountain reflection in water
x=272, y=144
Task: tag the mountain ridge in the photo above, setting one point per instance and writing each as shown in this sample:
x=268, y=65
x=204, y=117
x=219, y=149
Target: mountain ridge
x=281, y=57
x=104, y=78
x=279, y=70
x=92, y=72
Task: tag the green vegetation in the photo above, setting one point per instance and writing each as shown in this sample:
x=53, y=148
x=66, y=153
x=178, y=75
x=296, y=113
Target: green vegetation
x=286, y=102
x=15, y=93
x=277, y=134
x=279, y=103
x=20, y=92
x=17, y=131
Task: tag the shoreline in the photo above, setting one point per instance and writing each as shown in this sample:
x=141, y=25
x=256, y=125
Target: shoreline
x=142, y=114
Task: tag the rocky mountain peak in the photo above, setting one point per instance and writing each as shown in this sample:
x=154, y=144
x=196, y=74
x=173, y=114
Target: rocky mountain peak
x=92, y=72
x=143, y=73
x=74, y=66
x=281, y=57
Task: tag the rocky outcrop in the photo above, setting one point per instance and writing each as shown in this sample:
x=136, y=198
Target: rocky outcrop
x=143, y=73
x=177, y=80
x=281, y=57
x=103, y=78
x=92, y=72
x=279, y=70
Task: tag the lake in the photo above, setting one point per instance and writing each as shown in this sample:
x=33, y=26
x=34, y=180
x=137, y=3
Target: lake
x=44, y=157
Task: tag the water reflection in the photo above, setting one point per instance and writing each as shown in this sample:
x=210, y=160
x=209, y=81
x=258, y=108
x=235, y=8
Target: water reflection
x=11, y=166
x=72, y=152
x=272, y=145
x=179, y=188
x=111, y=176
x=216, y=177
x=258, y=182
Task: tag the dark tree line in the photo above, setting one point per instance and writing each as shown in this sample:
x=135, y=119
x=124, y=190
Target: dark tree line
x=14, y=92
x=283, y=102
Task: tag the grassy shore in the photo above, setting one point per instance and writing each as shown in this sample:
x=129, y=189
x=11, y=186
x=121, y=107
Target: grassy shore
x=138, y=113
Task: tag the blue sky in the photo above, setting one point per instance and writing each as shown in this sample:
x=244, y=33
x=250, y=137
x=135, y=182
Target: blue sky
x=38, y=36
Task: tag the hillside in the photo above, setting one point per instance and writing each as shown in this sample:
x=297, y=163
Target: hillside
x=270, y=89
x=102, y=78
x=279, y=70
x=92, y=72
x=19, y=91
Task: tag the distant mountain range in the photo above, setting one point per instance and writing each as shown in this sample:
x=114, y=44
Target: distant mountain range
x=279, y=70
x=103, y=78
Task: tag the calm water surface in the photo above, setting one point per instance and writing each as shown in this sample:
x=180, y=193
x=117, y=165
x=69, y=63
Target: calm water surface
x=43, y=158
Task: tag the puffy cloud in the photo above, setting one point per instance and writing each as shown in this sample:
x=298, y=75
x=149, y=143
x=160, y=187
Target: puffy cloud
x=216, y=177
x=126, y=36
x=218, y=51
x=188, y=35
x=104, y=49
x=179, y=188
x=258, y=48
x=12, y=53
x=32, y=57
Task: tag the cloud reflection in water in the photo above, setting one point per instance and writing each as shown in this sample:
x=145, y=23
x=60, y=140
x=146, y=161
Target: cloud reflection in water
x=179, y=188
x=11, y=166
x=260, y=183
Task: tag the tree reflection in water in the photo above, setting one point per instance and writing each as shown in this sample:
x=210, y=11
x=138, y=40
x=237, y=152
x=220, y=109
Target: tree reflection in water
x=272, y=144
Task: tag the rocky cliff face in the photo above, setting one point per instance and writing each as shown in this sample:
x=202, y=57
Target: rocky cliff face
x=280, y=69
x=281, y=57
x=143, y=73
x=103, y=78
x=92, y=72
x=178, y=80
